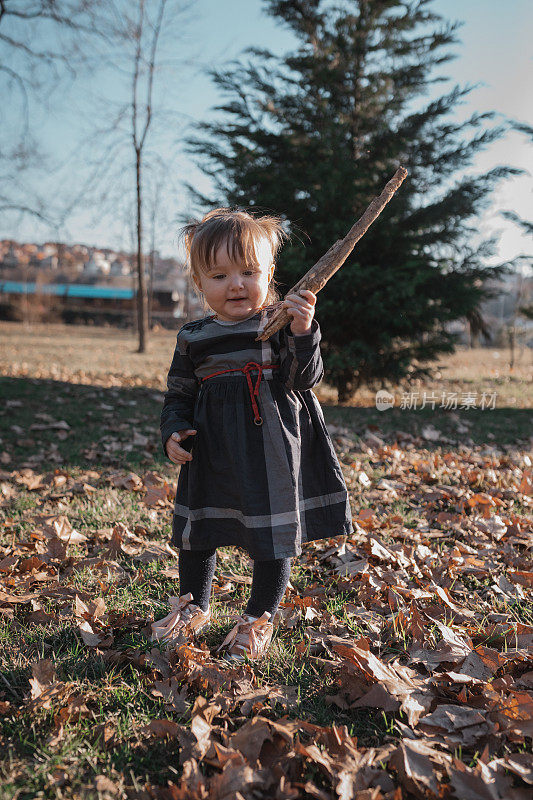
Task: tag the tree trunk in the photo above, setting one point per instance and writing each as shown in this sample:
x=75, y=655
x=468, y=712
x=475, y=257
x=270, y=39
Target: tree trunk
x=142, y=300
x=152, y=268
x=345, y=387
x=151, y=289
x=511, y=334
x=344, y=393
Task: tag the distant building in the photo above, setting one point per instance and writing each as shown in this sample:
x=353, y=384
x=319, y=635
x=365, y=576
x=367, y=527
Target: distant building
x=78, y=264
x=48, y=249
x=97, y=265
x=11, y=259
x=49, y=262
x=120, y=266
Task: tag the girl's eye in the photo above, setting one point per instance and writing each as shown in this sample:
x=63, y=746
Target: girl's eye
x=246, y=272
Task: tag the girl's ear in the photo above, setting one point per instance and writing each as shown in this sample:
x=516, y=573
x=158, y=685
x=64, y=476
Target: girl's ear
x=197, y=282
x=271, y=271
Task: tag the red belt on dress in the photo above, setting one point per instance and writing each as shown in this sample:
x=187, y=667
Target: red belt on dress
x=251, y=365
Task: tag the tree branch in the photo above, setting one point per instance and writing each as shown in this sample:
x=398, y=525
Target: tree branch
x=157, y=30
x=139, y=34
x=317, y=277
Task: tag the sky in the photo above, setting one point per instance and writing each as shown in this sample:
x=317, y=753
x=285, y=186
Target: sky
x=495, y=54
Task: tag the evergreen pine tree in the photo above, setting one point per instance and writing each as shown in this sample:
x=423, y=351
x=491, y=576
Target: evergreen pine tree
x=314, y=136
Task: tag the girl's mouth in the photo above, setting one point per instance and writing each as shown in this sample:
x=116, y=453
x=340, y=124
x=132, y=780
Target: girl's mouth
x=236, y=299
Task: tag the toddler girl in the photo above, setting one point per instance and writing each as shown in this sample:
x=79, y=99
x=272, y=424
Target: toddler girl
x=258, y=469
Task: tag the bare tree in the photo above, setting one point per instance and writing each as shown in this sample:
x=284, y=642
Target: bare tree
x=141, y=117
x=44, y=42
x=512, y=324
x=161, y=219
x=153, y=224
x=140, y=110
x=42, y=45
x=523, y=305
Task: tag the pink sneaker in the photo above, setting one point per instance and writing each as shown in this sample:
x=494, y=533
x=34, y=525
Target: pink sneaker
x=250, y=637
x=184, y=621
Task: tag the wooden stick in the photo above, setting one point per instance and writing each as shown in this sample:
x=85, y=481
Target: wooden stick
x=319, y=275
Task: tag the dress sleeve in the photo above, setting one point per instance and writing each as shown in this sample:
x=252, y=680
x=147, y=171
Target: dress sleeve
x=301, y=364
x=179, y=400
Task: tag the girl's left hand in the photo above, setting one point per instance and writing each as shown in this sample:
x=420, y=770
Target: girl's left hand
x=301, y=307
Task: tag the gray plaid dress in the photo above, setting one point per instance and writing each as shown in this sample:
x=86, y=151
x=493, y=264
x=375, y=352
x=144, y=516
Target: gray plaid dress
x=264, y=475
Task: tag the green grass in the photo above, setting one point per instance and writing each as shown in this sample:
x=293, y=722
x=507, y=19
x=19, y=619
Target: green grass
x=117, y=689
x=501, y=426
x=101, y=438
x=96, y=437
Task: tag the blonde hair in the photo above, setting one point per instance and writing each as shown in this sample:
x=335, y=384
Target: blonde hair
x=242, y=232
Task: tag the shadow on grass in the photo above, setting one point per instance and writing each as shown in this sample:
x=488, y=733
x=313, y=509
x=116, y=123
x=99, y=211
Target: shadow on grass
x=119, y=426
x=107, y=427
x=492, y=427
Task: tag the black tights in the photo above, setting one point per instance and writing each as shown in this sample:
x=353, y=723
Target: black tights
x=270, y=579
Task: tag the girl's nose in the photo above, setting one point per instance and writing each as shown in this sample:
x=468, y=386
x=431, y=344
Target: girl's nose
x=237, y=282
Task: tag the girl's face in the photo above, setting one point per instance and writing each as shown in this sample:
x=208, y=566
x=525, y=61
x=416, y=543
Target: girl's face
x=233, y=290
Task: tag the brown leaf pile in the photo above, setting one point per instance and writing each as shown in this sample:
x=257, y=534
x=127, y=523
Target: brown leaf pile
x=435, y=631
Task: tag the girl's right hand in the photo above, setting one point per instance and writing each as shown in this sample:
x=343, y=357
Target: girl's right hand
x=176, y=453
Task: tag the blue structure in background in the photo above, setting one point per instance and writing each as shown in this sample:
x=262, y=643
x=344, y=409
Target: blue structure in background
x=67, y=290
x=84, y=303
